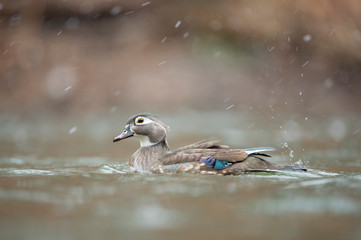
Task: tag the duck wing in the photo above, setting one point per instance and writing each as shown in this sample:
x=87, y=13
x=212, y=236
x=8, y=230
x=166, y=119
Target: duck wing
x=203, y=144
x=219, y=159
x=202, y=150
x=192, y=152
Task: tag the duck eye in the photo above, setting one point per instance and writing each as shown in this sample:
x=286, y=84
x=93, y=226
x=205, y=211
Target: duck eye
x=139, y=120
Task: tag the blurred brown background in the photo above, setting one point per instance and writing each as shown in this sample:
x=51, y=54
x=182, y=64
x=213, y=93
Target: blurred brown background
x=91, y=56
x=283, y=74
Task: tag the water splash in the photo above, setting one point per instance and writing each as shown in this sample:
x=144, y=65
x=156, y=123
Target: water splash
x=291, y=154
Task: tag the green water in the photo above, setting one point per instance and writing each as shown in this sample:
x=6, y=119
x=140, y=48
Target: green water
x=62, y=184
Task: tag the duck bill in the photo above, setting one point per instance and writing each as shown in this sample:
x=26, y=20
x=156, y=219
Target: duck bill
x=125, y=134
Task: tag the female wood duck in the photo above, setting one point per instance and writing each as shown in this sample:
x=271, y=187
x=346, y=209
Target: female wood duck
x=205, y=157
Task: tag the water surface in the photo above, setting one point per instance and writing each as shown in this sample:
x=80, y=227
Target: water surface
x=62, y=184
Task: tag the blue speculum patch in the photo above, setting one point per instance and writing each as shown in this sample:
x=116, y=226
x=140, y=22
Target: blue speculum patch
x=216, y=164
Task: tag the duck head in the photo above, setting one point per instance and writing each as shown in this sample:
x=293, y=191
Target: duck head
x=148, y=128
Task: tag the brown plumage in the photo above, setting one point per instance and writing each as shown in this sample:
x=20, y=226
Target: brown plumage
x=206, y=157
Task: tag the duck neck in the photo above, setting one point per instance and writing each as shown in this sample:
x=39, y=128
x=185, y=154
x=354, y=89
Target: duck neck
x=145, y=142
x=160, y=147
x=146, y=158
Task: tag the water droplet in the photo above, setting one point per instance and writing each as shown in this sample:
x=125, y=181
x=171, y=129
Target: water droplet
x=145, y=4
x=73, y=130
x=178, y=24
x=67, y=88
x=186, y=34
x=307, y=38
x=161, y=63
x=304, y=65
x=230, y=107
x=271, y=49
x=300, y=93
x=164, y=39
x=115, y=10
x=128, y=13
x=292, y=154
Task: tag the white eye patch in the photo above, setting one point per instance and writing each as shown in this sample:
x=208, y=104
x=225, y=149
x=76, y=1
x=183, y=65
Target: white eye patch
x=142, y=121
